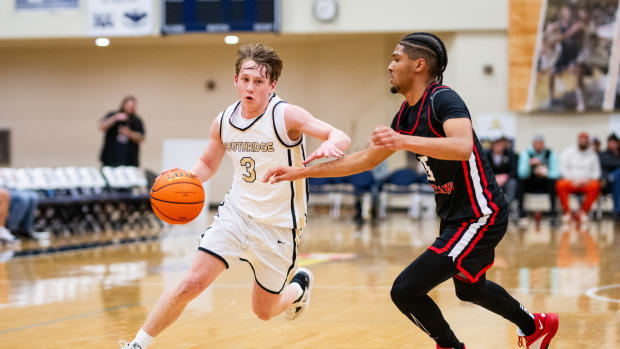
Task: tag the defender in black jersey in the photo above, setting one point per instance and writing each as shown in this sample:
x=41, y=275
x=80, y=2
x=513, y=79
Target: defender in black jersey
x=434, y=123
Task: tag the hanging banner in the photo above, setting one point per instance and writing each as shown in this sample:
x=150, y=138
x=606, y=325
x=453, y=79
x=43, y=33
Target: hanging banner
x=573, y=69
x=46, y=5
x=120, y=17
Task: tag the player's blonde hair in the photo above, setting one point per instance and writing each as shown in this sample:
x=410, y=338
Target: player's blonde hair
x=265, y=57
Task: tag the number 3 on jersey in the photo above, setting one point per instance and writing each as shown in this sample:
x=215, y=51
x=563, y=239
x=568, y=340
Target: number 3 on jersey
x=427, y=169
x=250, y=174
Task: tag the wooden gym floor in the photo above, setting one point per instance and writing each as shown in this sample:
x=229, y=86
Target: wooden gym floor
x=93, y=297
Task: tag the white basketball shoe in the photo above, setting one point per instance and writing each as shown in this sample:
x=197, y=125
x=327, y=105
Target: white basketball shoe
x=305, y=279
x=129, y=345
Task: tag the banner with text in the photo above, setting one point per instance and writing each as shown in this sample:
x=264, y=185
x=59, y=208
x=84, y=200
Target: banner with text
x=120, y=17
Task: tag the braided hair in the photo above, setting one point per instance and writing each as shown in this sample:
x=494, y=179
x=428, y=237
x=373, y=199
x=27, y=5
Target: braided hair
x=431, y=48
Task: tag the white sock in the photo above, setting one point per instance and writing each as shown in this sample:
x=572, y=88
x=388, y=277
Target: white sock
x=519, y=332
x=143, y=339
x=300, y=291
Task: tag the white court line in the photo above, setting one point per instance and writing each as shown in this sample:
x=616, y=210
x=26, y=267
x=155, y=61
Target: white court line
x=592, y=293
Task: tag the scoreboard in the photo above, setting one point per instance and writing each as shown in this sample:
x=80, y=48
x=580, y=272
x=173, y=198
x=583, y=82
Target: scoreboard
x=220, y=16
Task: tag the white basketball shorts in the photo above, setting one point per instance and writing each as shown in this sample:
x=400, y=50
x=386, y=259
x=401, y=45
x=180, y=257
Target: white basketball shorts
x=271, y=251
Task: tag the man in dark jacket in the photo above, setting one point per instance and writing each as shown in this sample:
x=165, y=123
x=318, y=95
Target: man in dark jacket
x=504, y=164
x=610, y=167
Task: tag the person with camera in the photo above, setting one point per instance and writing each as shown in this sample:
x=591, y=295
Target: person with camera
x=124, y=131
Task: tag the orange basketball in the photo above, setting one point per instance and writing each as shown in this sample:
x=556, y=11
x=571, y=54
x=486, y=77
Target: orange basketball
x=177, y=197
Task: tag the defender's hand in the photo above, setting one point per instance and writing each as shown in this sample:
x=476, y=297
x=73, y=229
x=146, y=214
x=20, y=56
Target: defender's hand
x=282, y=173
x=325, y=150
x=386, y=138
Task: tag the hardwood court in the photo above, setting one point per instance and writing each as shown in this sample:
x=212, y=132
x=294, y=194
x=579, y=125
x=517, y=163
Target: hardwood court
x=92, y=298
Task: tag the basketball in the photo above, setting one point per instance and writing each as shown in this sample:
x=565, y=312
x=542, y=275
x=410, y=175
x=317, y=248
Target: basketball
x=177, y=197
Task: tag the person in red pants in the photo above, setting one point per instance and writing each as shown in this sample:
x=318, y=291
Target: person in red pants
x=581, y=169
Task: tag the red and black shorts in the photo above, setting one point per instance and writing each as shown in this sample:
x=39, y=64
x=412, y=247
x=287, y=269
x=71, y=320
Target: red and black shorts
x=471, y=244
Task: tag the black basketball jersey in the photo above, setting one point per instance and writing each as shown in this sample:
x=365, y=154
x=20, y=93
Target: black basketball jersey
x=464, y=190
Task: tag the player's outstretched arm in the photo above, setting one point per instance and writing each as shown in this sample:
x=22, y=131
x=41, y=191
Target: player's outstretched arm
x=208, y=163
x=361, y=161
x=299, y=120
x=457, y=145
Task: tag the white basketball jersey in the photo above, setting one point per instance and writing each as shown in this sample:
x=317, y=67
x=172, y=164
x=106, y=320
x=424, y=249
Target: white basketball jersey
x=255, y=146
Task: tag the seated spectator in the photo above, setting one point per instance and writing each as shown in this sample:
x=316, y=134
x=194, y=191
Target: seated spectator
x=580, y=169
x=5, y=234
x=537, y=171
x=504, y=164
x=610, y=168
x=22, y=207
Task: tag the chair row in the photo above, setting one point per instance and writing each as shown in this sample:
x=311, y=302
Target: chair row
x=402, y=182
x=85, y=199
x=47, y=178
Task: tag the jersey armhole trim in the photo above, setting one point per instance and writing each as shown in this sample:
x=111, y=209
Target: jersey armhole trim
x=221, y=119
x=275, y=129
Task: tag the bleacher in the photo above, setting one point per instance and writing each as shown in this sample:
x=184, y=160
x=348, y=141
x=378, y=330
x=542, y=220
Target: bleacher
x=77, y=200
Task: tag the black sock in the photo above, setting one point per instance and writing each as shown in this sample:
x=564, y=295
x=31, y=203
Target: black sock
x=494, y=297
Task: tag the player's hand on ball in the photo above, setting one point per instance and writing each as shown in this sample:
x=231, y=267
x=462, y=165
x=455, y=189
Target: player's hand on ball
x=189, y=173
x=282, y=173
x=325, y=150
x=386, y=138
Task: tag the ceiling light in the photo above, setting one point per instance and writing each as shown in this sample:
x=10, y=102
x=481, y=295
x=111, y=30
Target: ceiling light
x=102, y=42
x=231, y=39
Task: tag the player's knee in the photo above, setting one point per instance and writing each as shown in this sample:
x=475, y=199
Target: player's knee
x=263, y=314
x=468, y=293
x=4, y=195
x=401, y=290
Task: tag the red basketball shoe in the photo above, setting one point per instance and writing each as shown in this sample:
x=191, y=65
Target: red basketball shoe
x=546, y=328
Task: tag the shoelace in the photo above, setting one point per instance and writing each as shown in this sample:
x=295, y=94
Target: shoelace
x=521, y=344
x=123, y=343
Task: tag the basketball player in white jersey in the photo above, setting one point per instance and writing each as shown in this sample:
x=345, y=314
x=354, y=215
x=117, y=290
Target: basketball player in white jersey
x=258, y=223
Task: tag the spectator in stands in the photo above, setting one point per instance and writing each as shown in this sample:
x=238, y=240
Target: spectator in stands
x=124, y=131
x=5, y=234
x=504, y=164
x=610, y=168
x=537, y=171
x=22, y=208
x=581, y=171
